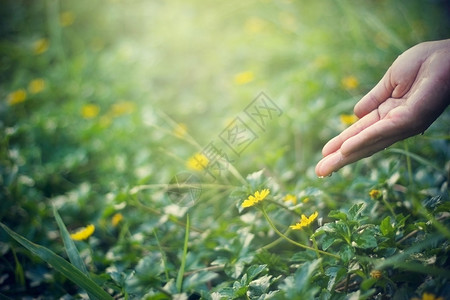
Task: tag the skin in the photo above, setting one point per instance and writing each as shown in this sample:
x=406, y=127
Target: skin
x=412, y=94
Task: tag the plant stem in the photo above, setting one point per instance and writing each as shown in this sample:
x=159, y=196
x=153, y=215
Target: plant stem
x=408, y=162
x=179, y=282
x=292, y=241
x=313, y=239
x=384, y=199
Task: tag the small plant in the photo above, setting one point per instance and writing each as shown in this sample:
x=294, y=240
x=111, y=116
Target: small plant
x=128, y=128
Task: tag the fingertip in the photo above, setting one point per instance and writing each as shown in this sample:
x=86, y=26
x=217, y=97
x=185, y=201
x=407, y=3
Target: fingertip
x=358, y=110
x=328, y=164
x=364, y=106
x=319, y=170
x=331, y=146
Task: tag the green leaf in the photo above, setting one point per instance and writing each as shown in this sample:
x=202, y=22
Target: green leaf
x=304, y=273
x=299, y=286
x=69, y=245
x=71, y=249
x=196, y=279
x=366, y=239
x=343, y=230
x=18, y=271
x=259, y=286
x=335, y=274
x=418, y=158
x=445, y=207
x=183, y=258
x=239, y=289
x=328, y=241
x=346, y=252
x=256, y=180
x=60, y=265
x=338, y=215
x=254, y=271
x=368, y=283
x=355, y=210
x=386, y=227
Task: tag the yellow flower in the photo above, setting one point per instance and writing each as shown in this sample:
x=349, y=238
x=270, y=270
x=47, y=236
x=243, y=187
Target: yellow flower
x=121, y=108
x=116, y=219
x=66, y=18
x=350, y=82
x=36, y=85
x=428, y=296
x=290, y=198
x=376, y=274
x=197, y=162
x=305, y=221
x=90, y=111
x=375, y=194
x=256, y=198
x=40, y=46
x=348, y=119
x=83, y=233
x=16, y=97
x=244, y=77
x=306, y=200
x=180, y=130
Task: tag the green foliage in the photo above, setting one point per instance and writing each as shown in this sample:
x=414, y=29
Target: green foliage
x=61, y=265
x=103, y=105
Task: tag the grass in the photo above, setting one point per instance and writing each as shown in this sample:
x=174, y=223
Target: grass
x=105, y=107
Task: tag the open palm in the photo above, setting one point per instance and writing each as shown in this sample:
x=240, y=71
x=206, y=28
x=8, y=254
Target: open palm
x=411, y=95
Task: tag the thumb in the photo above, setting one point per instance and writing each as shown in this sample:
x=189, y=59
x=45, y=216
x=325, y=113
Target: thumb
x=380, y=93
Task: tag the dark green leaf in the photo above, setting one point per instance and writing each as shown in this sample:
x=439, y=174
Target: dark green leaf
x=338, y=215
x=254, y=270
x=386, y=228
x=346, y=252
x=366, y=239
x=355, y=210
x=61, y=265
x=71, y=249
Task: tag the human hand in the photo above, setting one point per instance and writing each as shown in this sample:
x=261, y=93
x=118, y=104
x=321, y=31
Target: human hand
x=411, y=95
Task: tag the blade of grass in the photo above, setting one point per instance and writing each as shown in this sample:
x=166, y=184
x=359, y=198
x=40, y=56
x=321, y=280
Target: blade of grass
x=373, y=21
x=402, y=259
x=18, y=272
x=163, y=256
x=60, y=264
x=416, y=157
x=71, y=249
x=179, y=281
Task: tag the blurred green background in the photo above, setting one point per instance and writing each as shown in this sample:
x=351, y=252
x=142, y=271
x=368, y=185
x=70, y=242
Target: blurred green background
x=98, y=97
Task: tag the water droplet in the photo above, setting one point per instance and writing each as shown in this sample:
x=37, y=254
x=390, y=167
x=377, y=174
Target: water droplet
x=329, y=175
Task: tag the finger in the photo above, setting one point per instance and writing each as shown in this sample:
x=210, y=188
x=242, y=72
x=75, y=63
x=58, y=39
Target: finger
x=337, y=160
x=336, y=142
x=375, y=97
x=376, y=137
x=367, y=142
